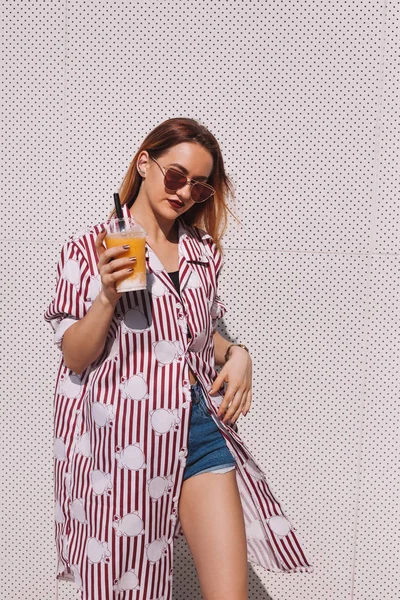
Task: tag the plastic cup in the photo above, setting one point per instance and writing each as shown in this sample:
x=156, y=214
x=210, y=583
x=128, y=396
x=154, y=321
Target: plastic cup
x=134, y=235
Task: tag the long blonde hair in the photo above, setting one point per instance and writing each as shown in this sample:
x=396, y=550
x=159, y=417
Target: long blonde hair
x=210, y=215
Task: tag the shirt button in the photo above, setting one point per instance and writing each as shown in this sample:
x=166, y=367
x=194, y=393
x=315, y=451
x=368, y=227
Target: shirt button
x=178, y=305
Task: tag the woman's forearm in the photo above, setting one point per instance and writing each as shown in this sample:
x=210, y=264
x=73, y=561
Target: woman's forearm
x=84, y=341
x=220, y=348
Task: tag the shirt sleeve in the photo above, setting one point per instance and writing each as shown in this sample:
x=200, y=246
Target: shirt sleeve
x=72, y=282
x=218, y=308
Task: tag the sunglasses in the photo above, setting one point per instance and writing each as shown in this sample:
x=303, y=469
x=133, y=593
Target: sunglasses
x=175, y=180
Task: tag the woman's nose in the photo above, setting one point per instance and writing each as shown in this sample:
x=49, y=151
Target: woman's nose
x=185, y=192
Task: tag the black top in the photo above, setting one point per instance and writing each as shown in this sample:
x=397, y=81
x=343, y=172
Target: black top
x=175, y=280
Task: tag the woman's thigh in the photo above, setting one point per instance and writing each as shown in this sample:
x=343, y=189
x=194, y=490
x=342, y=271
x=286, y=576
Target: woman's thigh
x=211, y=514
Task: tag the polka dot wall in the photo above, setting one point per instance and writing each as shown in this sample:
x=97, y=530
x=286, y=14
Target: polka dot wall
x=303, y=99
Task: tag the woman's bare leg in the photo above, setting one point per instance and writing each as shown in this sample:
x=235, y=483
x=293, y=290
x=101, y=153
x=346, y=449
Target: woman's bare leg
x=211, y=514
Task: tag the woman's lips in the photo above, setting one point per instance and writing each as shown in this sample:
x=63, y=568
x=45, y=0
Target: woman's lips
x=175, y=204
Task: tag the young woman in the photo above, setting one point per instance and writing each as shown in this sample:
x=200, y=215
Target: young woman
x=146, y=446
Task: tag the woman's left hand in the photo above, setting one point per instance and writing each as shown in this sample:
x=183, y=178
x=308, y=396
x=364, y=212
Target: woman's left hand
x=237, y=372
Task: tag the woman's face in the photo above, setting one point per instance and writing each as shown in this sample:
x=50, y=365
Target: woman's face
x=193, y=160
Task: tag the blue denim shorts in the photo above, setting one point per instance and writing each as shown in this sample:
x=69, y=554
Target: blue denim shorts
x=207, y=449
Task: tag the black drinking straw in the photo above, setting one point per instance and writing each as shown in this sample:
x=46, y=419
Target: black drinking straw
x=118, y=208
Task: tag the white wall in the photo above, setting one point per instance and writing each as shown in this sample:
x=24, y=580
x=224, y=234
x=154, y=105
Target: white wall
x=303, y=97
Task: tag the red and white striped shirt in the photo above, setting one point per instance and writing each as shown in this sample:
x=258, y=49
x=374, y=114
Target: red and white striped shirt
x=121, y=427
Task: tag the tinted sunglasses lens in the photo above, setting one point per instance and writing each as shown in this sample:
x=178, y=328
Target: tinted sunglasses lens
x=200, y=192
x=174, y=180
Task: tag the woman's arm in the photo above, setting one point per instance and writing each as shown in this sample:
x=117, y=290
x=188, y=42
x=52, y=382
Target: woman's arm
x=84, y=341
x=220, y=348
x=237, y=372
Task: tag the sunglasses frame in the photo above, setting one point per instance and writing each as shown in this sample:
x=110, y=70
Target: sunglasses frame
x=188, y=180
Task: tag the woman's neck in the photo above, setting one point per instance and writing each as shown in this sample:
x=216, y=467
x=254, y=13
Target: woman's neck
x=159, y=230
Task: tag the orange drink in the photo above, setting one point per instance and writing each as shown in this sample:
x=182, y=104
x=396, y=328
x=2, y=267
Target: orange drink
x=135, y=236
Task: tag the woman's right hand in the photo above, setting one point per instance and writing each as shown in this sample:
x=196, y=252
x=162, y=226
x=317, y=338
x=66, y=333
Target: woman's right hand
x=111, y=269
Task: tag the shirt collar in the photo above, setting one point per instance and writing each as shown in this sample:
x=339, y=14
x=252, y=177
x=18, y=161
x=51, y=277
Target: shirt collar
x=190, y=243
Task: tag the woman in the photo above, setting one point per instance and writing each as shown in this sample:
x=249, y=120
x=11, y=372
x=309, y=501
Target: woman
x=146, y=443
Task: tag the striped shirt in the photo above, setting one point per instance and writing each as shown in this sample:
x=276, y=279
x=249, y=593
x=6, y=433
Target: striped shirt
x=121, y=427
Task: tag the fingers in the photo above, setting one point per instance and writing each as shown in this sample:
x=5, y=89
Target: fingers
x=234, y=390
x=236, y=415
x=226, y=400
x=248, y=402
x=108, y=255
x=118, y=263
x=111, y=268
x=230, y=404
x=99, y=242
x=240, y=404
x=216, y=386
x=115, y=270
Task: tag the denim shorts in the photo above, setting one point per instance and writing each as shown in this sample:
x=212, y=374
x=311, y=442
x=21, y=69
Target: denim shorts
x=207, y=449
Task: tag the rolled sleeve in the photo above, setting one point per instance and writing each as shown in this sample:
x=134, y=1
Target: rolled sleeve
x=68, y=304
x=218, y=307
x=60, y=328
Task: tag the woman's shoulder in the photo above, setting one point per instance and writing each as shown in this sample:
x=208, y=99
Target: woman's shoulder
x=86, y=235
x=209, y=246
x=197, y=232
x=202, y=237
